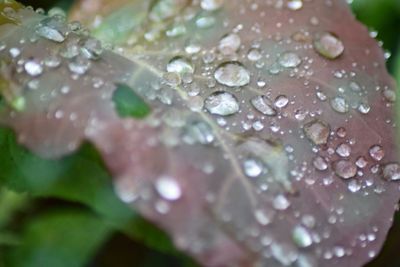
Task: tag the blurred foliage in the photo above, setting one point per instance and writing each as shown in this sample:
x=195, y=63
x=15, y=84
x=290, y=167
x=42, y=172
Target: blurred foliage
x=64, y=212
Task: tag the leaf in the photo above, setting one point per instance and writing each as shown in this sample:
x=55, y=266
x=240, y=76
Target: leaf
x=79, y=178
x=270, y=134
x=67, y=238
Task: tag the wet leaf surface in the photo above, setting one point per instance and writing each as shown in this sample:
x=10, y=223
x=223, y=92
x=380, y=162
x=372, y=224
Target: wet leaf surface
x=270, y=133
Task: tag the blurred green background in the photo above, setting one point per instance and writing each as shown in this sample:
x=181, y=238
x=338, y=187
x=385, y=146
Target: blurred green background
x=59, y=226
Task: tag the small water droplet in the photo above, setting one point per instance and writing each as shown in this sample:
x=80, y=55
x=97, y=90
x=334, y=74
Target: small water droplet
x=199, y=132
x=317, y=131
x=254, y=54
x=301, y=237
x=253, y=167
x=180, y=65
x=376, y=152
x=211, y=5
x=33, y=68
x=295, y=4
x=232, y=74
x=345, y=169
x=340, y=104
x=263, y=105
x=52, y=29
x=79, y=65
x=320, y=163
x=328, y=45
x=343, y=150
x=391, y=172
x=168, y=188
x=222, y=103
x=281, y=101
x=280, y=202
x=229, y=44
x=289, y=60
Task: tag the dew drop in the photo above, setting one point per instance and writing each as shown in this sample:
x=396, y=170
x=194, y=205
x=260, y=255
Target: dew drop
x=289, y=60
x=232, y=74
x=229, y=44
x=391, y=172
x=328, y=45
x=263, y=105
x=295, y=4
x=52, y=29
x=345, y=169
x=254, y=54
x=211, y=5
x=343, y=150
x=180, y=65
x=339, y=104
x=222, y=103
x=33, y=68
x=320, y=163
x=79, y=65
x=281, y=101
x=168, y=188
x=317, y=132
x=376, y=152
x=301, y=237
x=280, y=202
x=199, y=132
x=253, y=167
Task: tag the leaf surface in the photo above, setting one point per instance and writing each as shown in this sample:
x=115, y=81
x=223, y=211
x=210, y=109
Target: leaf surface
x=271, y=137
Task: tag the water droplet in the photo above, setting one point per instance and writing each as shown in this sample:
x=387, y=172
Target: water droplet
x=328, y=45
x=79, y=65
x=92, y=48
x=263, y=105
x=376, y=152
x=180, y=65
x=343, y=150
x=33, y=68
x=317, y=131
x=320, y=163
x=280, y=202
x=205, y=22
x=229, y=44
x=263, y=217
x=232, y=74
x=199, y=132
x=361, y=162
x=391, y=172
x=364, y=108
x=301, y=237
x=254, y=54
x=340, y=104
x=253, y=167
x=211, y=5
x=52, y=29
x=222, y=103
x=281, y=101
x=168, y=188
x=354, y=186
x=345, y=169
x=295, y=4
x=289, y=60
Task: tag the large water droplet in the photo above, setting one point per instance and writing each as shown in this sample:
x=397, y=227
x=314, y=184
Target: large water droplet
x=289, y=60
x=180, y=65
x=222, y=103
x=229, y=44
x=328, y=45
x=263, y=105
x=320, y=163
x=232, y=74
x=317, y=131
x=345, y=169
x=168, y=188
x=343, y=150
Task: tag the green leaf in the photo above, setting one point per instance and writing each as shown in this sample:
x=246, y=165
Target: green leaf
x=128, y=103
x=81, y=178
x=59, y=239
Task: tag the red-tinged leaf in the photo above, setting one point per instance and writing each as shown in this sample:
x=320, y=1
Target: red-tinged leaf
x=271, y=137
